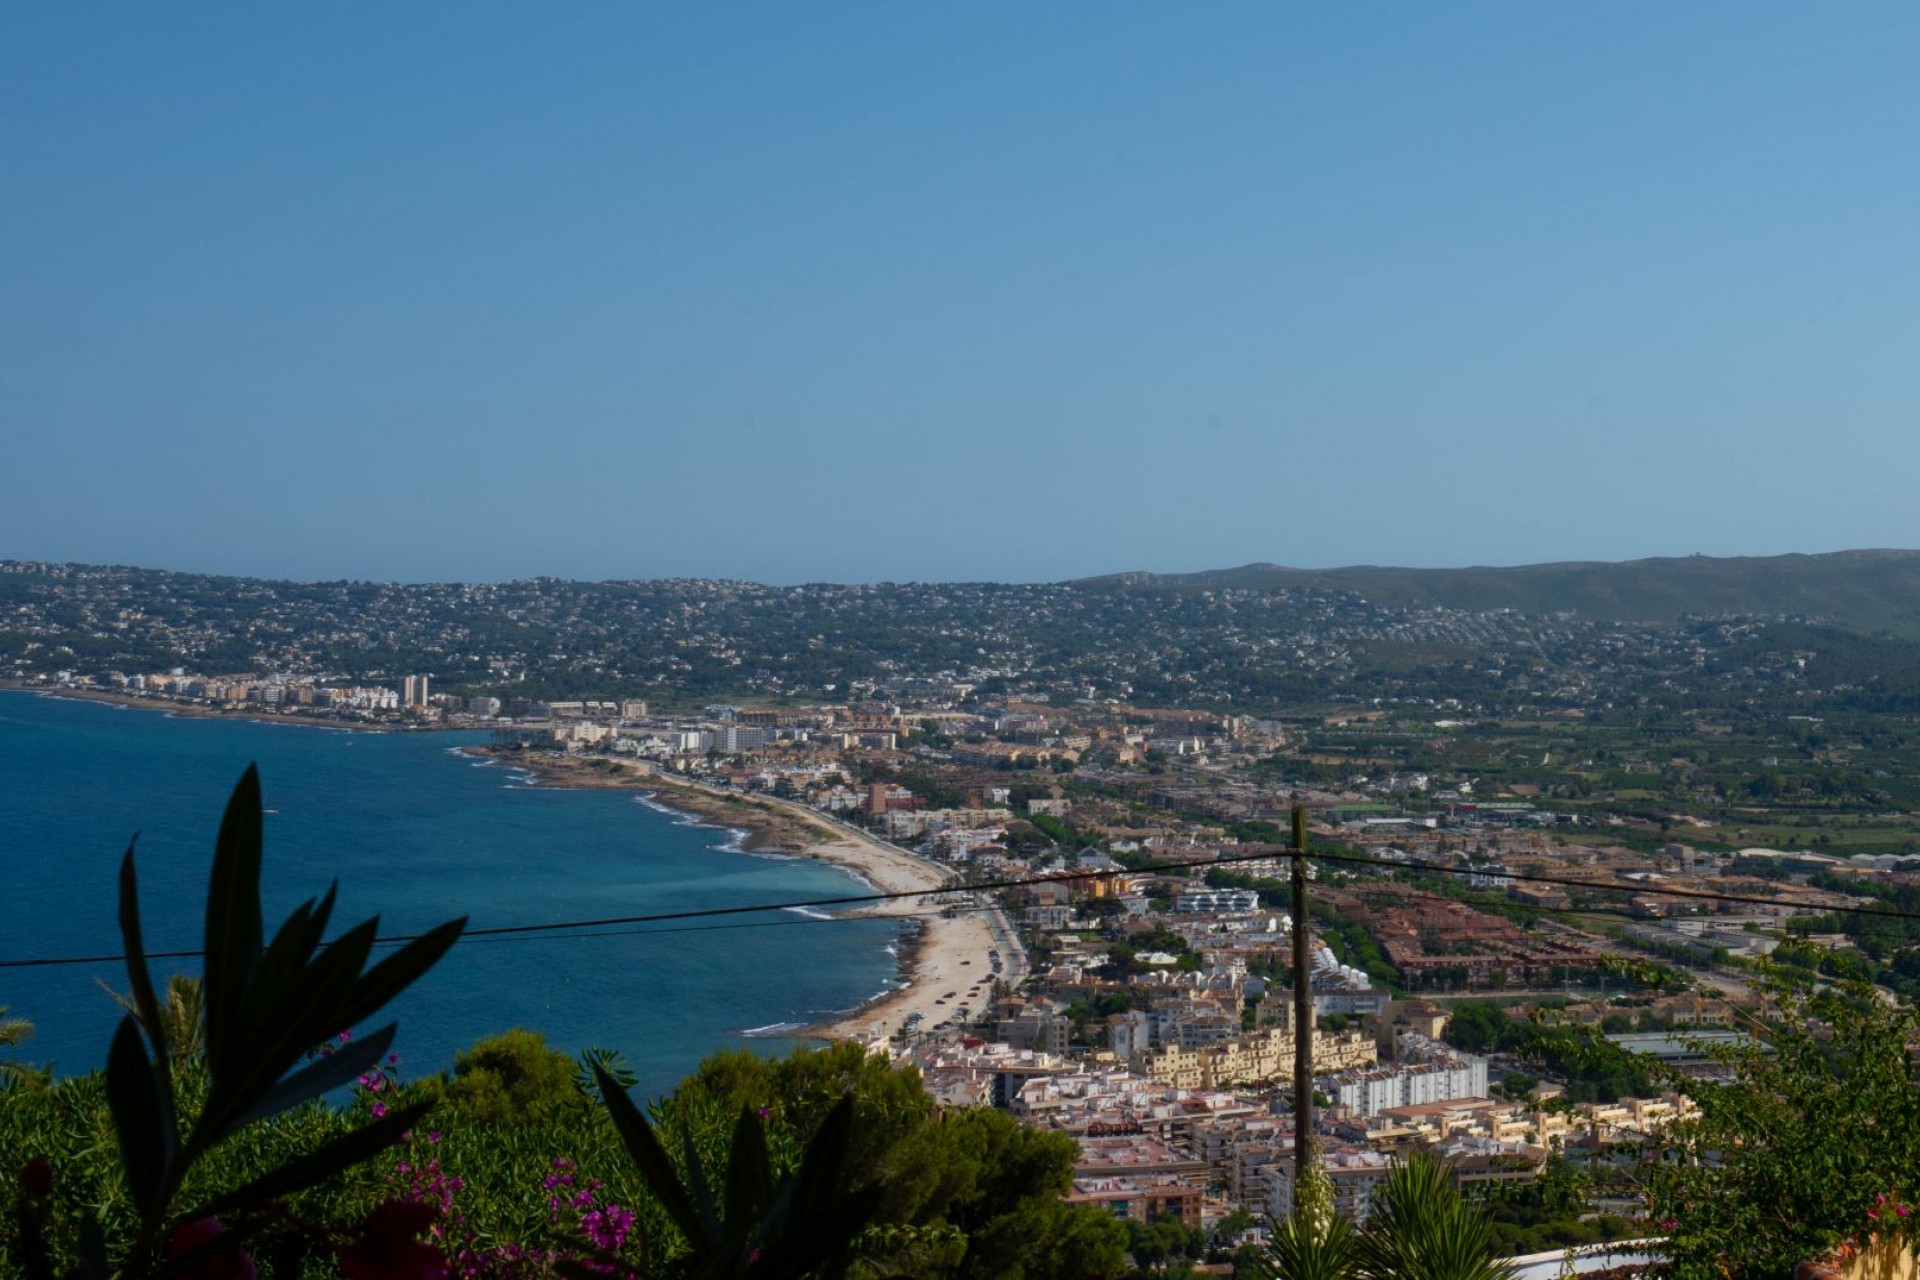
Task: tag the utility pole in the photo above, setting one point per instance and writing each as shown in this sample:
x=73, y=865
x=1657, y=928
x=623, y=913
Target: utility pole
x=1305, y=1150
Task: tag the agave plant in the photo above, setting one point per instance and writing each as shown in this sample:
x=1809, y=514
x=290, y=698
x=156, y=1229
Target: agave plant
x=1421, y=1229
x=267, y=1005
x=1302, y=1250
x=611, y=1061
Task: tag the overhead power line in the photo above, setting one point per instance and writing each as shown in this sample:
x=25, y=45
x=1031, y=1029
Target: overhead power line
x=606, y=924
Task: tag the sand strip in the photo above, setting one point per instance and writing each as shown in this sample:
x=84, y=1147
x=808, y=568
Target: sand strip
x=945, y=969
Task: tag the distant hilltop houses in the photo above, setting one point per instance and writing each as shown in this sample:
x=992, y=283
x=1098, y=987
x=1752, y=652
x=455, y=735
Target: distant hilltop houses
x=1258, y=644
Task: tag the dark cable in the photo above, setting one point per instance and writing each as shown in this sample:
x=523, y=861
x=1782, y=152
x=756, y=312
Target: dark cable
x=704, y=913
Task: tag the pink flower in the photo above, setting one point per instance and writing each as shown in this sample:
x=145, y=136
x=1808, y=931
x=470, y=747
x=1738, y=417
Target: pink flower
x=379, y=1111
x=389, y=1249
x=230, y=1263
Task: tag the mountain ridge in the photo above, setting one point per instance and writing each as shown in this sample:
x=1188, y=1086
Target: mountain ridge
x=1866, y=589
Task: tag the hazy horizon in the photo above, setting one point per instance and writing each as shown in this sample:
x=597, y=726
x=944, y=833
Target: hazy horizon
x=1110, y=573
x=869, y=294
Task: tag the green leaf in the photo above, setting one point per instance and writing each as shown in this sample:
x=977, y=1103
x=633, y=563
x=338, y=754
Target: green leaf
x=823, y=1165
x=31, y=1241
x=400, y=970
x=317, y=1077
x=135, y=948
x=813, y=1219
x=805, y=1244
x=291, y=1006
x=697, y=1184
x=317, y=1166
x=233, y=928
x=93, y=1248
x=650, y=1158
x=285, y=1017
x=749, y=1174
x=140, y=1118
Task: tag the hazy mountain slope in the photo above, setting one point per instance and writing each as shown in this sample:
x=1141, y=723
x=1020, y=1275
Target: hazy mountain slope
x=1863, y=589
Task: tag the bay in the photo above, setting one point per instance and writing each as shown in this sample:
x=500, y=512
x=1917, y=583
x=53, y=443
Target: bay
x=416, y=833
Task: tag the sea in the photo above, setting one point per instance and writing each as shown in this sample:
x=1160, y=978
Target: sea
x=414, y=832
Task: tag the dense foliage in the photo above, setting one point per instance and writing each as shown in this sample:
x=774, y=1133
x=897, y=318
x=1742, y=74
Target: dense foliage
x=1593, y=1069
x=524, y=1168
x=1818, y=1126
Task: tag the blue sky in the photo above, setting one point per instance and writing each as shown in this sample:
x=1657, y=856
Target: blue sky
x=862, y=292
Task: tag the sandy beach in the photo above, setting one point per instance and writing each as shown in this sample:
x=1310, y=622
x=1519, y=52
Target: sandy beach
x=946, y=969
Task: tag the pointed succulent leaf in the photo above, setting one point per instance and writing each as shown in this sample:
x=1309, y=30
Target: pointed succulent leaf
x=651, y=1159
x=823, y=1166
x=697, y=1184
x=805, y=1245
x=322, y=913
x=140, y=1118
x=292, y=1007
x=1297, y=1250
x=233, y=917
x=397, y=972
x=30, y=1238
x=313, y=1002
x=323, y=1074
x=93, y=1249
x=749, y=1174
x=145, y=1000
x=317, y=1166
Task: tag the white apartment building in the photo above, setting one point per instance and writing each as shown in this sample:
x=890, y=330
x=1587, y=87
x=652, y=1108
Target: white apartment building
x=1445, y=1079
x=1217, y=902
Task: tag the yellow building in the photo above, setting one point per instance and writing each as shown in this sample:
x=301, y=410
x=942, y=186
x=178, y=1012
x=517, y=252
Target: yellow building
x=1254, y=1058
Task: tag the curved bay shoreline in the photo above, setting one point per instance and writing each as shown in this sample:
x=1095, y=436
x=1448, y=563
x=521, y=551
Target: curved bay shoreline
x=942, y=965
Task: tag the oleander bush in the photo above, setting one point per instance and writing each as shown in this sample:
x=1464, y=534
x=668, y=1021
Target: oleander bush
x=1811, y=1141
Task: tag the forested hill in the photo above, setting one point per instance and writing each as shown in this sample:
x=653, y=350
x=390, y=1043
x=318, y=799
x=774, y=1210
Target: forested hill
x=1864, y=590
x=1523, y=642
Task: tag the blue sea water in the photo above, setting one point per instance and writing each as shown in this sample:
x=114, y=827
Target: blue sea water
x=415, y=833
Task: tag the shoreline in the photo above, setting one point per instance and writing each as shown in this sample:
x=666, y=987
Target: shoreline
x=943, y=961
x=200, y=711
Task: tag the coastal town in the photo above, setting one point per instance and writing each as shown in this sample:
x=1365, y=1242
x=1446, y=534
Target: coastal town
x=1097, y=938
x=716, y=642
